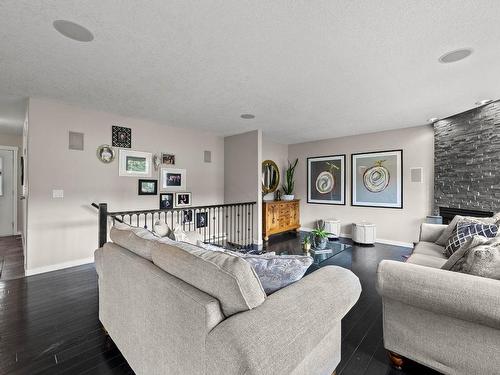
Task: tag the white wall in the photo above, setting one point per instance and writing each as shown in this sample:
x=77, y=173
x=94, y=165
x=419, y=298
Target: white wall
x=278, y=153
x=242, y=173
x=63, y=232
x=394, y=225
x=16, y=141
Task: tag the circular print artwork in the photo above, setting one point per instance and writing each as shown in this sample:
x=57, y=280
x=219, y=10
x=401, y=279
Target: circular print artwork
x=105, y=153
x=325, y=182
x=376, y=178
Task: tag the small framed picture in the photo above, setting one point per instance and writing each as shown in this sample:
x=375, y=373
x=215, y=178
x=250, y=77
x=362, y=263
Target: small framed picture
x=201, y=219
x=148, y=187
x=134, y=163
x=168, y=159
x=187, y=216
x=182, y=199
x=121, y=137
x=173, y=179
x=166, y=201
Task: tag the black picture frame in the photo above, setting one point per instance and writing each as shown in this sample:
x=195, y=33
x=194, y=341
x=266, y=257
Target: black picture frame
x=168, y=203
x=201, y=219
x=187, y=216
x=121, y=137
x=183, y=199
x=401, y=177
x=141, y=188
x=343, y=157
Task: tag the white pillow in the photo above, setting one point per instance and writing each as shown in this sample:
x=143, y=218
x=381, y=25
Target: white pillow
x=161, y=229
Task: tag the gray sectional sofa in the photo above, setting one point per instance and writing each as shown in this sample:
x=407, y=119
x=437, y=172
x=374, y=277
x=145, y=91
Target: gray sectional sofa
x=172, y=311
x=446, y=320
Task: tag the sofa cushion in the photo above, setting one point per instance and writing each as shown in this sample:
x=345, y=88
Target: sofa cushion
x=226, y=277
x=429, y=248
x=426, y=260
x=478, y=256
x=443, y=238
x=466, y=230
x=138, y=240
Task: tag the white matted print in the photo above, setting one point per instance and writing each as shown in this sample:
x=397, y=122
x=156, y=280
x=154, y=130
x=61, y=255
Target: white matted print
x=377, y=179
x=182, y=199
x=173, y=179
x=134, y=163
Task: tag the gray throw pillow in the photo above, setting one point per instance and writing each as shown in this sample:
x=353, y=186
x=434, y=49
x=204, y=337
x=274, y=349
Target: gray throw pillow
x=277, y=271
x=479, y=256
x=466, y=230
x=448, y=231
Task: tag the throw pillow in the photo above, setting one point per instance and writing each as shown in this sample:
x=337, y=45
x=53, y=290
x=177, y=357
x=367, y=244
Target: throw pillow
x=479, y=256
x=276, y=271
x=135, y=239
x=466, y=230
x=448, y=231
x=161, y=229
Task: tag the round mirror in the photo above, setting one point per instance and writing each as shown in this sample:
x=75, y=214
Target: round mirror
x=270, y=176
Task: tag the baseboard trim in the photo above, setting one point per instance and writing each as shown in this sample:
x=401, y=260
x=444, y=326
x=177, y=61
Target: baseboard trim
x=379, y=240
x=58, y=266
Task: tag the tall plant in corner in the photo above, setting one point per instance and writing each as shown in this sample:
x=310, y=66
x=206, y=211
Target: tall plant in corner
x=289, y=184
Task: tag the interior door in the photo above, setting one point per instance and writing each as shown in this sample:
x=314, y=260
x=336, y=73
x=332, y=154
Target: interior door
x=7, y=200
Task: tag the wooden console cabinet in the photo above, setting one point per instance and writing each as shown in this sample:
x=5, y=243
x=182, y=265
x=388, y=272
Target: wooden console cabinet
x=280, y=216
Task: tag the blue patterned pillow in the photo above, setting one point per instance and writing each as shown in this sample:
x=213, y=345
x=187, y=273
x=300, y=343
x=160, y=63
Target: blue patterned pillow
x=464, y=231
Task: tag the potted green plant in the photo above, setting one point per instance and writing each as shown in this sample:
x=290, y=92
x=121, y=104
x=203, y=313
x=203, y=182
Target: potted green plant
x=320, y=235
x=289, y=184
x=306, y=243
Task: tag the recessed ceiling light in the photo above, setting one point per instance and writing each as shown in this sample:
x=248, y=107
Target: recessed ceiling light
x=73, y=31
x=247, y=116
x=454, y=56
x=432, y=120
x=483, y=102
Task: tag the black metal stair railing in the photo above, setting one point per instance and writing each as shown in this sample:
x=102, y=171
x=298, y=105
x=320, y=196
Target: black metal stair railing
x=221, y=224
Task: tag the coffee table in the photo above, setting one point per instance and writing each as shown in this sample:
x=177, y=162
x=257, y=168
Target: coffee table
x=332, y=248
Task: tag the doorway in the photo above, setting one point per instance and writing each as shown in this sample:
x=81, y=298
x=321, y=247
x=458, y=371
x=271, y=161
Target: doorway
x=8, y=191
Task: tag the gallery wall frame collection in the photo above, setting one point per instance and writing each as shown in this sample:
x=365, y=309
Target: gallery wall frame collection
x=376, y=179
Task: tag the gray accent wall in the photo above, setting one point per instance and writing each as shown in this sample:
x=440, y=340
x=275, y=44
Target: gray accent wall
x=467, y=160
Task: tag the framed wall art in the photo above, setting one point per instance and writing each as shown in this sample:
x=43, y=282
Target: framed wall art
x=168, y=159
x=326, y=179
x=134, y=163
x=377, y=179
x=182, y=199
x=173, y=179
x=187, y=216
x=201, y=219
x=121, y=137
x=148, y=187
x=166, y=201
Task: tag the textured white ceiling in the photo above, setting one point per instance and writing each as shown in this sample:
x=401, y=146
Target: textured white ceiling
x=12, y=114
x=307, y=69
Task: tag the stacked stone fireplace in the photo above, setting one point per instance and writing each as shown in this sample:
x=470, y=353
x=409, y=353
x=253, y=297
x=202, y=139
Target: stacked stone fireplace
x=467, y=161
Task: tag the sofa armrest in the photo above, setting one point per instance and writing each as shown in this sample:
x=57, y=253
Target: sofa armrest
x=431, y=232
x=461, y=296
x=289, y=324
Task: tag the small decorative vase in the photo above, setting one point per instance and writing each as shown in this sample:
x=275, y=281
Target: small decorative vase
x=306, y=247
x=288, y=197
x=321, y=243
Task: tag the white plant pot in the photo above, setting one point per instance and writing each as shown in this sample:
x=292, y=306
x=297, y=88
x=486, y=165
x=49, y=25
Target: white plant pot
x=286, y=197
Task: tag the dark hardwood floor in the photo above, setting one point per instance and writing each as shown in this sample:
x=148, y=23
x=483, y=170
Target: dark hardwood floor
x=11, y=258
x=49, y=322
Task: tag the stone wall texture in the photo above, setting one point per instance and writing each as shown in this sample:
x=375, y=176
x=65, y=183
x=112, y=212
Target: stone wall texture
x=467, y=160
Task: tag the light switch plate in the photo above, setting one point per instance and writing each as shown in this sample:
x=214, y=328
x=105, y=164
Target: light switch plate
x=57, y=193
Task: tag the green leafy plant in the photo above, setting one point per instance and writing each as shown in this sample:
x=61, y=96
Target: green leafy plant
x=289, y=184
x=320, y=233
x=306, y=240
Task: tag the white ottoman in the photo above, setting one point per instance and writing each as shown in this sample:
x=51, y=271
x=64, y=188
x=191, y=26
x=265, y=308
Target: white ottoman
x=364, y=233
x=333, y=226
